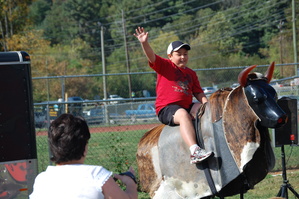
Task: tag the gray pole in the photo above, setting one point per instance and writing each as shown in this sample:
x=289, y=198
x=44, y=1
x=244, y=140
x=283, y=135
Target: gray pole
x=127, y=54
x=103, y=63
x=104, y=75
x=63, y=87
x=280, y=46
x=294, y=35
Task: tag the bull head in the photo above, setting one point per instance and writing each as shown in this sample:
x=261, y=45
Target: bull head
x=262, y=97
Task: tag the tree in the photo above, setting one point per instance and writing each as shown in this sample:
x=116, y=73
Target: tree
x=65, y=35
x=59, y=60
x=13, y=18
x=212, y=46
x=58, y=26
x=38, y=11
x=255, y=22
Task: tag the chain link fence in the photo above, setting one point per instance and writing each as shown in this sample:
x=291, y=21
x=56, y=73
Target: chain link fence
x=118, y=123
x=116, y=129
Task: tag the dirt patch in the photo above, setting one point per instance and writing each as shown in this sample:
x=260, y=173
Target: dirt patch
x=122, y=128
x=106, y=129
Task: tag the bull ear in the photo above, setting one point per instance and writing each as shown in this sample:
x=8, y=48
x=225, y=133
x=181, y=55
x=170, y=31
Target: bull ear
x=242, y=78
x=269, y=72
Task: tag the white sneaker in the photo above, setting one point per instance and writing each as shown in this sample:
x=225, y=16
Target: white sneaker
x=199, y=155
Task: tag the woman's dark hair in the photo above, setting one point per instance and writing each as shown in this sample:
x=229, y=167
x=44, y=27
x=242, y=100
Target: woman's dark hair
x=68, y=136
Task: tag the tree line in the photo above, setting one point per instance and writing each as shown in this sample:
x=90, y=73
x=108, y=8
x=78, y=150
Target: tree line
x=63, y=37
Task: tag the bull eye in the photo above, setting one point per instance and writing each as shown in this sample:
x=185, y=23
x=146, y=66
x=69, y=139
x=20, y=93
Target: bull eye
x=255, y=99
x=260, y=98
x=263, y=98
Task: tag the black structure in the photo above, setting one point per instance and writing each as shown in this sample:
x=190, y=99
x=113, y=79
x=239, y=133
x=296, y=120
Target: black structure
x=287, y=135
x=17, y=129
x=18, y=155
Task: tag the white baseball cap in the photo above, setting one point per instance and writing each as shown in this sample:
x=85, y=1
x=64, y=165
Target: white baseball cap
x=176, y=45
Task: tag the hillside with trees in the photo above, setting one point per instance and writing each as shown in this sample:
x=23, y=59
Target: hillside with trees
x=63, y=38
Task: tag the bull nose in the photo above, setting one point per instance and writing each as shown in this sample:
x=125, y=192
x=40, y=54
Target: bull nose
x=282, y=121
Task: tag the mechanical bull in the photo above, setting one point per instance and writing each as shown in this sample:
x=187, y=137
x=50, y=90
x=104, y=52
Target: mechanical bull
x=234, y=125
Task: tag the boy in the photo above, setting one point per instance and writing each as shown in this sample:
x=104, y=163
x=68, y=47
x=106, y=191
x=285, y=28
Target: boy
x=176, y=85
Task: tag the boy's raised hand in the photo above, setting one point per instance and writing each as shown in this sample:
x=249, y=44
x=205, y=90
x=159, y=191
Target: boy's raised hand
x=141, y=35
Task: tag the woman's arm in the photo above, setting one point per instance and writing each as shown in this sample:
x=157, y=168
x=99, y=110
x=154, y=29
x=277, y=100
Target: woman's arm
x=111, y=190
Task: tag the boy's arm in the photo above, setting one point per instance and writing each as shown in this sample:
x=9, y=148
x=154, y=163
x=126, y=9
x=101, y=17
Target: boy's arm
x=201, y=97
x=142, y=36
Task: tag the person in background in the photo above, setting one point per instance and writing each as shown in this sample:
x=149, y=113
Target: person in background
x=68, y=138
x=175, y=88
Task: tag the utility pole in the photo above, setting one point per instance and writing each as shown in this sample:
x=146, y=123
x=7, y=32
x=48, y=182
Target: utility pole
x=126, y=52
x=63, y=87
x=103, y=62
x=104, y=74
x=294, y=36
x=280, y=45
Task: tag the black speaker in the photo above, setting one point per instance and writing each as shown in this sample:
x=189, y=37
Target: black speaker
x=288, y=134
x=17, y=131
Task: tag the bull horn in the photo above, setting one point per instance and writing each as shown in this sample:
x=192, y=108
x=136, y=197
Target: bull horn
x=269, y=72
x=242, y=78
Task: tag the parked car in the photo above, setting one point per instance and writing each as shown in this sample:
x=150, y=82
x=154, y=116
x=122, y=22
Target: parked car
x=75, y=108
x=234, y=85
x=208, y=90
x=95, y=116
x=40, y=119
x=115, y=99
x=276, y=85
x=143, y=111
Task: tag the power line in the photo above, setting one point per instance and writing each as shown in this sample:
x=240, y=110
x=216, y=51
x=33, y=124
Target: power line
x=239, y=31
x=175, y=6
x=194, y=28
x=191, y=28
x=236, y=13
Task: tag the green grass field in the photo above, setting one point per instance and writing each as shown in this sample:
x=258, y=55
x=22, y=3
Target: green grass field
x=116, y=151
x=270, y=186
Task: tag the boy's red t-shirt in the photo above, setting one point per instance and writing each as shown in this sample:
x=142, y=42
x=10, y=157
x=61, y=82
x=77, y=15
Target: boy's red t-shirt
x=175, y=85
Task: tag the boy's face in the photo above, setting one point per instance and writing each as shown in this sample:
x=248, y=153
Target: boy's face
x=179, y=57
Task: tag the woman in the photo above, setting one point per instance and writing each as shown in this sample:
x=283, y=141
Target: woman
x=71, y=178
